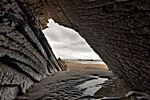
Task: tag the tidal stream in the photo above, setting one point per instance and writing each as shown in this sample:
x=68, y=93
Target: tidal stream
x=91, y=86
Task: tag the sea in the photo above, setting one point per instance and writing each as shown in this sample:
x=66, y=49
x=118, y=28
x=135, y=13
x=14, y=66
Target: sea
x=86, y=61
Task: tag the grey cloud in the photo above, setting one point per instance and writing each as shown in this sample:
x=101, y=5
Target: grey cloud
x=66, y=43
x=59, y=33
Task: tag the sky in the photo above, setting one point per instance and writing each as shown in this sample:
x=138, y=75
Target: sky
x=67, y=43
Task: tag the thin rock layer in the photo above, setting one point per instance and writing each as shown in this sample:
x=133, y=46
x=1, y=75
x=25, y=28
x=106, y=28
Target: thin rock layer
x=25, y=56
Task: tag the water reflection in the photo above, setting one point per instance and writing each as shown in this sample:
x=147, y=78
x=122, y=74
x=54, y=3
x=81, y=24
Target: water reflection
x=91, y=86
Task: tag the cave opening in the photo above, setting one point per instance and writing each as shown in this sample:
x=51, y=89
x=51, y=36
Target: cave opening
x=67, y=44
x=63, y=39
x=80, y=58
x=26, y=57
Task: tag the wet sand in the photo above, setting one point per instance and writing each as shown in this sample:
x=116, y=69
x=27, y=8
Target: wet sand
x=80, y=82
x=78, y=66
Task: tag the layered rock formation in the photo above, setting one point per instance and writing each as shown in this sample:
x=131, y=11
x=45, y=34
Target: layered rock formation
x=62, y=64
x=118, y=30
x=25, y=55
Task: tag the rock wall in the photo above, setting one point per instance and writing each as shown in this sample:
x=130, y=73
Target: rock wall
x=46, y=9
x=25, y=55
x=118, y=30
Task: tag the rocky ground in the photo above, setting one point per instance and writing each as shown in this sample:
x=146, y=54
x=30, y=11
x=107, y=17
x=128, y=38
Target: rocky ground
x=80, y=83
x=64, y=86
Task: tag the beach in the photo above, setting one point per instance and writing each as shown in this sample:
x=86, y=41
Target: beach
x=80, y=81
x=78, y=66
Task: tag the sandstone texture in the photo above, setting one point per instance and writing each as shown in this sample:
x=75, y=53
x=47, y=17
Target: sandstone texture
x=62, y=64
x=117, y=30
x=25, y=55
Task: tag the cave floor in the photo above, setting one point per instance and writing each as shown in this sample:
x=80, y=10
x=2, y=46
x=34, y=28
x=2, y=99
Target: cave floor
x=68, y=85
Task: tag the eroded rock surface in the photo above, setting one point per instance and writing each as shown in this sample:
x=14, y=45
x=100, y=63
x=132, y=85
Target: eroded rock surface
x=25, y=56
x=118, y=30
x=68, y=85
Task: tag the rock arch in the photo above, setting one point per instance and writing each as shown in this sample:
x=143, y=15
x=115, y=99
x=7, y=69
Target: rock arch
x=118, y=30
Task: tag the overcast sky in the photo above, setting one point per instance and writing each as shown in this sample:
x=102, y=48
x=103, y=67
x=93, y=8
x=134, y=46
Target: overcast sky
x=67, y=44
